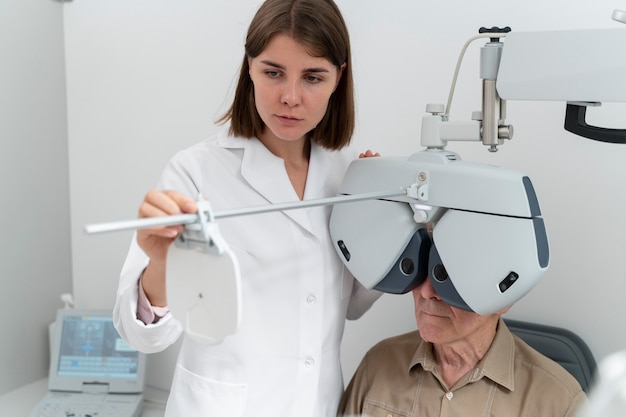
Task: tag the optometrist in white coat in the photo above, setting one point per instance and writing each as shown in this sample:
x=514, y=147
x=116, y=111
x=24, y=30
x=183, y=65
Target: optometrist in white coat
x=296, y=292
x=291, y=144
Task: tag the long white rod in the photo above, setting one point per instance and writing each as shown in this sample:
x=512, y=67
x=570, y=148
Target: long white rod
x=192, y=218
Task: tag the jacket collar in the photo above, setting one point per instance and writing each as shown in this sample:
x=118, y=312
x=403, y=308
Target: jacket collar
x=497, y=364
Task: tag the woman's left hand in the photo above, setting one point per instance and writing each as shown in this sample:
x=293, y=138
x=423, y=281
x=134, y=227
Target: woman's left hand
x=368, y=154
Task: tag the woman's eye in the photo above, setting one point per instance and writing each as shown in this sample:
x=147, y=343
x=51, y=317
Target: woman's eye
x=313, y=78
x=272, y=74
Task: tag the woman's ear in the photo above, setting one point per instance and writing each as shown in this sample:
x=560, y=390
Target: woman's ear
x=339, y=74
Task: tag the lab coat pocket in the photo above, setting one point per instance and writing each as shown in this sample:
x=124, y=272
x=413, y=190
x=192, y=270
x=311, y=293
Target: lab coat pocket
x=193, y=395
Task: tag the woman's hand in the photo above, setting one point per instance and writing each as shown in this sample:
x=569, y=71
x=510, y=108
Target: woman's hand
x=368, y=154
x=156, y=241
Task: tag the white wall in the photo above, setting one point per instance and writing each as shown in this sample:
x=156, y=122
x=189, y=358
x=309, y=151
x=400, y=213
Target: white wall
x=34, y=217
x=148, y=78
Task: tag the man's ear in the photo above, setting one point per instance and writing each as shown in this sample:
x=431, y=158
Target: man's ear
x=504, y=310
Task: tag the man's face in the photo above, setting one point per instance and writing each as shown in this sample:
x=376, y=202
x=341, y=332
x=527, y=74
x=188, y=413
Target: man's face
x=440, y=323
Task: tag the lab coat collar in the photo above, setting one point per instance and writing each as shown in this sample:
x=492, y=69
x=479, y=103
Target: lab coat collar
x=265, y=172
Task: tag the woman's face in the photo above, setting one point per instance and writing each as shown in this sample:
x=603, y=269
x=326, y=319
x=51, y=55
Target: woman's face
x=291, y=88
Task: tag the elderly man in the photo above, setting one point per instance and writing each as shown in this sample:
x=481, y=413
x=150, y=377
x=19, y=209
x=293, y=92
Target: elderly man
x=458, y=363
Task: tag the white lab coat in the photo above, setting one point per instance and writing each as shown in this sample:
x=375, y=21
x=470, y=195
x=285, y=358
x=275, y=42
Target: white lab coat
x=284, y=359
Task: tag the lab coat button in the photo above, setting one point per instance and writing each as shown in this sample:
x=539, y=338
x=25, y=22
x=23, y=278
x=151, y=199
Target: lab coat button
x=309, y=362
x=311, y=299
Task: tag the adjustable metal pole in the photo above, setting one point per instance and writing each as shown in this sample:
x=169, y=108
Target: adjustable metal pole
x=185, y=219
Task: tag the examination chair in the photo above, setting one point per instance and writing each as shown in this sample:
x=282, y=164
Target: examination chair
x=561, y=345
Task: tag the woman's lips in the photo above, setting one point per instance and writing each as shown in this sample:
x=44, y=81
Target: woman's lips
x=288, y=120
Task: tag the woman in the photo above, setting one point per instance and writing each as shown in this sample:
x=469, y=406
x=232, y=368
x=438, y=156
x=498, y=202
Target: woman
x=289, y=129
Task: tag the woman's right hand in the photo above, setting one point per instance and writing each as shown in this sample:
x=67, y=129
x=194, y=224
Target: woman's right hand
x=155, y=241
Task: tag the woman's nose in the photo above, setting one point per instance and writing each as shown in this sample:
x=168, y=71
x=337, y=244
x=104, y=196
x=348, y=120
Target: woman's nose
x=291, y=93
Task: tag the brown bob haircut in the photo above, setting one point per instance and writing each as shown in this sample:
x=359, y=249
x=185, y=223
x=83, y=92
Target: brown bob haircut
x=319, y=25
